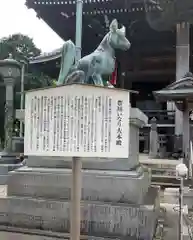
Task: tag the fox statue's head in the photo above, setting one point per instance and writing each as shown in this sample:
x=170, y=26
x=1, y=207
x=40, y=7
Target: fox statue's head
x=117, y=37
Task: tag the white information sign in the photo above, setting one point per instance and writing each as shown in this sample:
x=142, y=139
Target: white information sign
x=77, y=120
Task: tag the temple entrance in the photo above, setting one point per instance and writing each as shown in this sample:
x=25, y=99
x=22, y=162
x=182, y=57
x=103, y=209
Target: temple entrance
x=145, y=100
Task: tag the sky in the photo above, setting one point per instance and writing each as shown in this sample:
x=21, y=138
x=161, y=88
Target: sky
x=15, y=17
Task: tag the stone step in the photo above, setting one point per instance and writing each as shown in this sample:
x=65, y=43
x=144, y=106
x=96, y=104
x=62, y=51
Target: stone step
x=122, y=164
x=6, y=158
x=4, y=169
x=3, y=179
x=97, y=218
x=12, y=235
x=97, y=185
x=34, y=234
x=29, y=234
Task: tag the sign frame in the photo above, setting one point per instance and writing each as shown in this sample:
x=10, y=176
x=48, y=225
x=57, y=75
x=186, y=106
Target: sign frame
x=72, y=90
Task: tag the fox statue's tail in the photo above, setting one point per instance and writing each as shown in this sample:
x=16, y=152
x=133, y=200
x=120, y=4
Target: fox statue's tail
x=67, y=60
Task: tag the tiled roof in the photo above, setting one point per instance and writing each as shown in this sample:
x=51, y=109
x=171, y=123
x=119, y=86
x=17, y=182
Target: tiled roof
x=46, y=56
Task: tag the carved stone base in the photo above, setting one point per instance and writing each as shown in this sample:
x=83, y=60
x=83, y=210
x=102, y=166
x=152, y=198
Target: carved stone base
x=98, y=185
x=97, y=218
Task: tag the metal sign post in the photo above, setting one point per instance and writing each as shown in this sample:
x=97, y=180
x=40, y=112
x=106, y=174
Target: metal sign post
x=181, y=205
x=76, y=198
x=76, y=161
x=78, y=121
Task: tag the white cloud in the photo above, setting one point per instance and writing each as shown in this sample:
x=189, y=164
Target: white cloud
x=15, y=17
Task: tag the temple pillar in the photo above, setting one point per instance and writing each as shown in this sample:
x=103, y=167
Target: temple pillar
x=186, y=138
x=182, y=65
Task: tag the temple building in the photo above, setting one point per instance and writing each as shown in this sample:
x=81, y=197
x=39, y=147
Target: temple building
x=149, y=65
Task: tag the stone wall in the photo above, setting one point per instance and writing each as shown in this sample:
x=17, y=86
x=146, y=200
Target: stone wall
x=97, y=218
x=97, y=185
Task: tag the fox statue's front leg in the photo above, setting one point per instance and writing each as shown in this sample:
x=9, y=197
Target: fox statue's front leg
x=97, y=79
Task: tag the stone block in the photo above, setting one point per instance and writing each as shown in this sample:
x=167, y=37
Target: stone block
x=188, y=197
x=8, y=158
x=4, y=169
x=97, y=218
x=171, y=195
x=20, y=114
x=18, y=144
x=11, y=235
x=3, y=179
x=97, y=185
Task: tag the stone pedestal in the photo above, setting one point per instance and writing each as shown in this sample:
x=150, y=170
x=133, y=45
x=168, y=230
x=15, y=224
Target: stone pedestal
x=10, y=160
x=8, y=157
x=117, y=199
x=18, y=144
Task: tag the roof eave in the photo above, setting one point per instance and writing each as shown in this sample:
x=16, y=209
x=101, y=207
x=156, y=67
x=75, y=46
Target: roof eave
x=172, y=95
x=42, y=59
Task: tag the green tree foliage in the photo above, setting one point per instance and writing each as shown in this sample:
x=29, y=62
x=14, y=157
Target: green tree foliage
x=23, y=48
x=20, y=46
x=36, y=79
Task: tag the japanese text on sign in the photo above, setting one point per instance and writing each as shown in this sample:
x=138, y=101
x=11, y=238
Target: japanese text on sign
x=77, y=120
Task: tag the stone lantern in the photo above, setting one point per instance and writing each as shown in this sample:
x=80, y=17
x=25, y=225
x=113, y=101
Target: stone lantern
x=10, y=70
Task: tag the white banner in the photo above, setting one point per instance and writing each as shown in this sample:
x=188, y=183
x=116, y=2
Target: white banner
x=77, y=120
